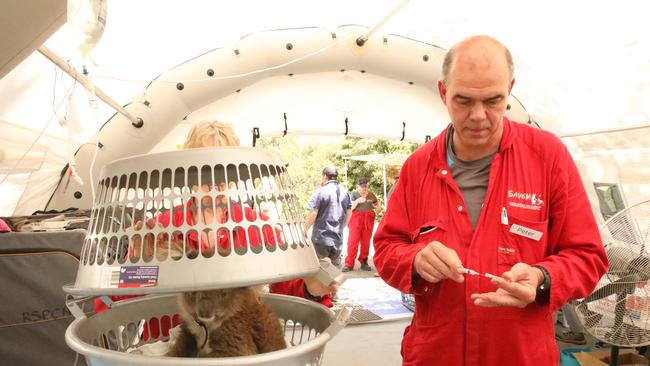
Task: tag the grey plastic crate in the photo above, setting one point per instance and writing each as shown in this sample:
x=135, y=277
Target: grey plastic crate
x=105, y=337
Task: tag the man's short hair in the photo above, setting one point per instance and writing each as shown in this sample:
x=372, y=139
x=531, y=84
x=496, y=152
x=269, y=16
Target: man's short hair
x=331, y=172
x=362, y=181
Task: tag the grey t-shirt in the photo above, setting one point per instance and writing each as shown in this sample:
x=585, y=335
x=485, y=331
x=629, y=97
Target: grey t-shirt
x=332, y=202
x=471, y=177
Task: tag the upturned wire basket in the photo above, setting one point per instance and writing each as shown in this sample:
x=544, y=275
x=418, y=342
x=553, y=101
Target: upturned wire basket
x=192, y=220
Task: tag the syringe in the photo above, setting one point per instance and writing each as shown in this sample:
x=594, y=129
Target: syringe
x=475, y=273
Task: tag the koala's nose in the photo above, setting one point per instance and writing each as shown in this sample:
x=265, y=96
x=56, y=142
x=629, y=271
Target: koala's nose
x=204, y=308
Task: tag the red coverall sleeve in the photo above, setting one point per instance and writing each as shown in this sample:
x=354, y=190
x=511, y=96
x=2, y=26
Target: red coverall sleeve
x=394, y=247
x=576, y=257
x=297, y=288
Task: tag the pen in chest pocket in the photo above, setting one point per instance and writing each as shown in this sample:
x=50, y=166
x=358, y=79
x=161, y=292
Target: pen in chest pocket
x=504, y=216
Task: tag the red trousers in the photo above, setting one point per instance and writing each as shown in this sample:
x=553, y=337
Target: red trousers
x=361, y=225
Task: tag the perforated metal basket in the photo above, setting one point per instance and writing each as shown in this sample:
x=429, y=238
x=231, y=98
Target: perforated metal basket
x=193, y=220
x=104, y=338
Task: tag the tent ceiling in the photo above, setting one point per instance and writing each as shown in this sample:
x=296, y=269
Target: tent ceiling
x=573, y=74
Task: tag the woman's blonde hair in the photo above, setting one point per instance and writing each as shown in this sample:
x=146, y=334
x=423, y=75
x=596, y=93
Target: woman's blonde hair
x=392, y=172
x=211, y=133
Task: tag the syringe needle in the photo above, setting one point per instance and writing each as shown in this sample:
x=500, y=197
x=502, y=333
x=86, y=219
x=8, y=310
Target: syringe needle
x=468, y=271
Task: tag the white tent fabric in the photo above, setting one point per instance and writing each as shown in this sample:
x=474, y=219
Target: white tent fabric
x=395, y=159
x=579, y=68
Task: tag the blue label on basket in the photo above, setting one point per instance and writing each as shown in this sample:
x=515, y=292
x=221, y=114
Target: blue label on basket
x=138, y=276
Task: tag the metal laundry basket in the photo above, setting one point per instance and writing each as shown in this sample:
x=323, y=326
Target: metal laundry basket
x=104, y=338
x=193, y=220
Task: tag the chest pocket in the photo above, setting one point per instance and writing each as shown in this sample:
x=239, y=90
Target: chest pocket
x=522, y=241
x=434, y=230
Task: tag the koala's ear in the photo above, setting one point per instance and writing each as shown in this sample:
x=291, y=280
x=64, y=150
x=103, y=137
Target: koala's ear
x=258, y=290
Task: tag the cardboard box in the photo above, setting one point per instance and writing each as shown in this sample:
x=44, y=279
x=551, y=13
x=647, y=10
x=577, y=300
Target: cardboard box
x=626, y=357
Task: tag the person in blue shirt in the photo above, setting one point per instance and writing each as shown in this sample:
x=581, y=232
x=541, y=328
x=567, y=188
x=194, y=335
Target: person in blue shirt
x=330, y=209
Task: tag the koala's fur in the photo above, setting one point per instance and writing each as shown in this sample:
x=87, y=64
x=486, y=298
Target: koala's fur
x=238, y=323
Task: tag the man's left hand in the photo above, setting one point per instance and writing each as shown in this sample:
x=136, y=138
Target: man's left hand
x=516, y=288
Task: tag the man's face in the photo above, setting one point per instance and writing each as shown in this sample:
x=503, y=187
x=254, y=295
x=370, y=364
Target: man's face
x=362, y=188
x=476, y=98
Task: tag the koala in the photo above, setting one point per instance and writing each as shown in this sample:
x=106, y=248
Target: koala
x=226, y=323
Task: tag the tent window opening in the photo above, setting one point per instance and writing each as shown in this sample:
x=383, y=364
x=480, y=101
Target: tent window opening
x=610, y=199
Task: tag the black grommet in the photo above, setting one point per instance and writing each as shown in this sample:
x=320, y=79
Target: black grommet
x=333, y=35
x=180, y=86
x=290, y=74
x=236, y=52
x=342, y=70
x=210, y=72
x=508, y=107
x=425, y=58
x=410, y=83
x=146, y=103
x=137, y=124
x=78, y=195
x=363, y=71
x=289, y=46
x=237, y=91
x=360, y=41
x=100, y=145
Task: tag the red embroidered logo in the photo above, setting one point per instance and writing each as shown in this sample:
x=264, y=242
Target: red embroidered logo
x=531, y=201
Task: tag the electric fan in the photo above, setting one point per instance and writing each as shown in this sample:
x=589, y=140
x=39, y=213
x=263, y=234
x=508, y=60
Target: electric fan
x=618, y=311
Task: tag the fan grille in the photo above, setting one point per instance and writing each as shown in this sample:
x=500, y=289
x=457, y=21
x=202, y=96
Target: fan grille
x=618, y=311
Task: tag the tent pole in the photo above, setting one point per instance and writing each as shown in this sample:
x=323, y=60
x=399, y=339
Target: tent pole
x=622, y=129
x=83, y=80
x=383, y=163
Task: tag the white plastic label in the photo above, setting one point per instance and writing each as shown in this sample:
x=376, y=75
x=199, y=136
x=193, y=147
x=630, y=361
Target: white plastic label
x=526, y=232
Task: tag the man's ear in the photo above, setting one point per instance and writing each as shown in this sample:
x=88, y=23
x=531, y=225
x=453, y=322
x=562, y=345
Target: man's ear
x=512, y=83
x=442, y=90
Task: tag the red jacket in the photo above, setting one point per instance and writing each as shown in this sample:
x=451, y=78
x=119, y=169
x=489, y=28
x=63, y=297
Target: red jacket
x=223, y=239
x=296, y=287
x=534, y=178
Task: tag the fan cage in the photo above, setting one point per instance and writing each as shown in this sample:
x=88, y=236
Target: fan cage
x=618, y=311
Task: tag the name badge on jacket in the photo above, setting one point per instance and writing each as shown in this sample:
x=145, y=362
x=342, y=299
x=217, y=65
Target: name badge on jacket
x=526, y=232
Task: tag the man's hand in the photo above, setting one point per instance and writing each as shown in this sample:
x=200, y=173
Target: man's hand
x=436, y=262
x=317, y=288
x=517, y=288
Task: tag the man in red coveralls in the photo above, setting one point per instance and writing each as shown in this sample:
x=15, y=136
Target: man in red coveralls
x=365, y=207
x=494, y=196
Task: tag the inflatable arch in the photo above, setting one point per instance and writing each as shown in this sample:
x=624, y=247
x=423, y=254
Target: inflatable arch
x=291, y=81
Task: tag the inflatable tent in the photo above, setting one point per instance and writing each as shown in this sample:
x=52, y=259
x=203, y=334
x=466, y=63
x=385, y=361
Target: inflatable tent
x=273, y=68
x=286, y=67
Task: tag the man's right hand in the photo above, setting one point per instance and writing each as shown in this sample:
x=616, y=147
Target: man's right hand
x=317, y=288
x=435, y=262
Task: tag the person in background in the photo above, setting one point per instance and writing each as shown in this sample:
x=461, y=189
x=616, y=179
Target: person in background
x=496, y=197
x=392, y=175
x=215, y=134
x=365, y=207
x=329, y=213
